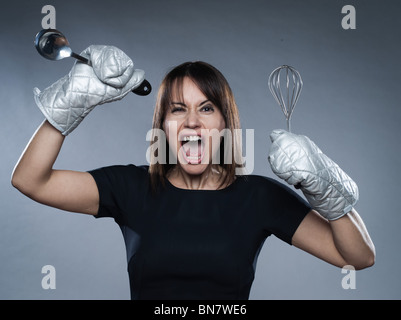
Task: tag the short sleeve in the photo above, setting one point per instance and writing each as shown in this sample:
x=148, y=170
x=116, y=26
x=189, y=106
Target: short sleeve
x=119, y=190
x=287, y=209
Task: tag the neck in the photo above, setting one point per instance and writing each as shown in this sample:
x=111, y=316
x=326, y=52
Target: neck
x=209, y=179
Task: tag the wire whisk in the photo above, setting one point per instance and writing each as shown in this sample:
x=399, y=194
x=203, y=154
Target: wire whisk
x=286, y=97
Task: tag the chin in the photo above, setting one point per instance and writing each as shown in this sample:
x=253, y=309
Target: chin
x=194, y=169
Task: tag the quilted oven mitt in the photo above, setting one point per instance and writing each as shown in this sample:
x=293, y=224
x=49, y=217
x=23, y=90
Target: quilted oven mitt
x=297, y=160
x=110, y=77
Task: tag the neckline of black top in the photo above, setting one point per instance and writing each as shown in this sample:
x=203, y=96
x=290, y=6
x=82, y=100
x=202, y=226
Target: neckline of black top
x=173, y=187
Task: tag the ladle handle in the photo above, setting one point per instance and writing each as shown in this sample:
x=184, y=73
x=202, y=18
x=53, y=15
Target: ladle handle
x=143, y=90
x=80, y=58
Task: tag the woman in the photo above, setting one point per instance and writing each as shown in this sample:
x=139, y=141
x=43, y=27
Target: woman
x=193, y=227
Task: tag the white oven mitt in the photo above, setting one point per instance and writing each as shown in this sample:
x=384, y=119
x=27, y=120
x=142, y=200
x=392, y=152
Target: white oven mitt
x=297, y=160
x=110, y=77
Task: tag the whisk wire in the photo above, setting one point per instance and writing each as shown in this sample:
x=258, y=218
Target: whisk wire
x=287, y=97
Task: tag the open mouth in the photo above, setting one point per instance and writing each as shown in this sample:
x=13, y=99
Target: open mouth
x=192, y=148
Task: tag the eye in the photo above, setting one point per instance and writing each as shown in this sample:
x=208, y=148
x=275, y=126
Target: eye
x=177, y=109
x=207, y=108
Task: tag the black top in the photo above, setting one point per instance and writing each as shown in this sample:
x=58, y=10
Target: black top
x=195, y=244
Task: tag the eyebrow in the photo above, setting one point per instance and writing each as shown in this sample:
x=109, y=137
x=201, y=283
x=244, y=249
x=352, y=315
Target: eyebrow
x=184, y=105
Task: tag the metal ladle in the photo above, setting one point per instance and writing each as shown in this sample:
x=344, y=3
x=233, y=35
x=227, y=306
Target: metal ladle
x=53, y=45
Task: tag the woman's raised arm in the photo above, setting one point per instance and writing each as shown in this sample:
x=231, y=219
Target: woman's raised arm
x=35, y=177
x=109, y=77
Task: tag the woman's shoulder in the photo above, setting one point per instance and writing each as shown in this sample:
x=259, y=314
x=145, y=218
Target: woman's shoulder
x=121, y=171
x=256, y=179
x=260, y=182
x=125, y=167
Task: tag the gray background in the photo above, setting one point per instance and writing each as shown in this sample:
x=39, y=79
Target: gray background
x=349, y=106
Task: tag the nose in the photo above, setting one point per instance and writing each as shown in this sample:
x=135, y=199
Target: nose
x=192, y=120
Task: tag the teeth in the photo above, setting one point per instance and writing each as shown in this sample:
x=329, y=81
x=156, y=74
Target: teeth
x=193, y=158
x=192, y=138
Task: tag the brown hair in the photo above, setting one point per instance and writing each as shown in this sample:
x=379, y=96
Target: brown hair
x=215, y=87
